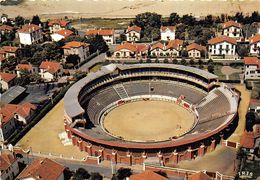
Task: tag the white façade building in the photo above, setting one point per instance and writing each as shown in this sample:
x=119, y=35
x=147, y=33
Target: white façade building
x=107, y=34
x=133, y=33
x=232, y=29
x=254, y=43
x=30, y=34
x=252, y=68
x=222, y=47
x=167, y=33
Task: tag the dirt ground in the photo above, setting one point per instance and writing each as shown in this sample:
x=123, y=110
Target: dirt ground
x=44, y=136
x=243, y=106
x=221, y=160
x=127, y=8
x=148, y=120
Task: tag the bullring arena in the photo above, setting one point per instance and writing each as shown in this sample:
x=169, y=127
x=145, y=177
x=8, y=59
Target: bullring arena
x=131, y=113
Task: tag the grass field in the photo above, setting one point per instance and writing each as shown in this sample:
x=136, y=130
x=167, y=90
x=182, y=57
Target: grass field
x=148, y=120
x=85, y=24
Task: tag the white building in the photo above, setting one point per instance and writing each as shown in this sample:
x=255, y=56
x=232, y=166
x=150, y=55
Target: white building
x=167, y=33
x=50, y=70
x=222, y=47
x=4, y=18
x=58, y=24
x=252, y=68
x=108, y=35
x=232, y=29
x=78, y=48
x=195, y=50
x=25, y=67
x=254, y=43
x=9, y=165
x=30, y=34
x=130, y=50
x=133, y=33
x=61, y=34
x=162, y=50
x=7, y=80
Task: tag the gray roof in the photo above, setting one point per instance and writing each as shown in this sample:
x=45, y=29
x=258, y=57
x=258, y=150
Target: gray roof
x=71, y=104
x=11, y=94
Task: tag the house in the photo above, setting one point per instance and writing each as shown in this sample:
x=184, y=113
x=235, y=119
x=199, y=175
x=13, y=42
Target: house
x=6, y=29
x=196, y=51
x=133, y=33
x=130, y=50
x=167, y=33
x=7, y=124
x=176, y=42
x=50, y=70
x=9, y=165
x=162, y=50
x=45, y=169
x=254, y=105
x=6, y=80
x=232, y=29
x=58, y=24
x=252, y=68
x=8, y=51
x=108, y=35
x=222, y=47
x=78, y=48
x=4, y=18
x=2, y=60
x=13, y=95
x=147, y=175
x=61, y=34
x=30, y=34
x=25, y=67
x=254, y=43
x=21, y=113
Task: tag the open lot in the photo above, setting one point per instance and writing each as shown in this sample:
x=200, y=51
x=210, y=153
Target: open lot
x=44, y=136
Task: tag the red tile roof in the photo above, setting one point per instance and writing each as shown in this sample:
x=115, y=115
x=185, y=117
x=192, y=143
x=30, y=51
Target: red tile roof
x=27, y=67
x=132, y=47
x=199, y=176
x=62, y=23
x=196, y=46
x=251, y=61
x=255, y=102
x=2, y=58
x=50, y=66
x=230, y=24
x=221, y=39
x=65, y=32
x=134, y=28
x=7, y=77
x=28, y=28
x=10, y=49
x=6, y=28
x=6, y=160
x=75, y=44
x=158, y=45
x=103, y=32
x=8, y=110
x=171, y=28
x=44, y=169
x=254, y=39
x=176, y=41
x=247, y=140
x=147, y=175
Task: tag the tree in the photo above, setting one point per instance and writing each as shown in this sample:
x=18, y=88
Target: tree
x=184, y=53
x=242, y=50
x=211, y=67
x=174, y=19
x=36, y=20
x=192, y=62
x=183, y=62
x=19, y=21
x=188, y=20
x=95, y=176
x=81, y=174
x=123, y=173
x=250, y=120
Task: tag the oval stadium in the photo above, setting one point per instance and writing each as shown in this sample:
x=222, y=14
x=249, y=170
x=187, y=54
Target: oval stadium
x=135, y=113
